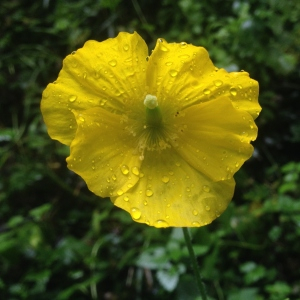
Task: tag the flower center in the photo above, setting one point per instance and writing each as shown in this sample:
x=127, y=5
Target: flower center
x=153, y=112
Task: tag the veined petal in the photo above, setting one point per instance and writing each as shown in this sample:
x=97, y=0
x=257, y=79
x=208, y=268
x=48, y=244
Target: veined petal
x=175, y=70
x=102, y=153
x=237, y=86
x=214, y=137
x=109, y=74
x=181, y=75
x=172, y=193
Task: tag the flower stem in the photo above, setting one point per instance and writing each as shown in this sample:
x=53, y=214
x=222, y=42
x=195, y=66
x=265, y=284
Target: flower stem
x=194, y=263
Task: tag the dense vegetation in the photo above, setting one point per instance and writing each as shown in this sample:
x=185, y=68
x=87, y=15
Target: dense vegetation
x=59, y=241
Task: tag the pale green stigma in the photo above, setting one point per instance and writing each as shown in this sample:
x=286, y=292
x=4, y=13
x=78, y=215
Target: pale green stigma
x=150, y=101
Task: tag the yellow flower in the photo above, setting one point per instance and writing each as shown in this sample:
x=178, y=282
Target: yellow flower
x=162, y=136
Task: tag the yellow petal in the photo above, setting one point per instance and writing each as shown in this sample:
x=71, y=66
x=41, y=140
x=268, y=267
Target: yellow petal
x=214, y=137
x=237, y=86
x=181, y=75
x=172, y=193
x=109, y=74
x=174, y=70
x=102, y=153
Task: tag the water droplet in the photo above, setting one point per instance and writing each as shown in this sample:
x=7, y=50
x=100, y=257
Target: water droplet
x=161, y=223
x=240, y=87
x=196, y=224
x=72, y=98
x=233, y=91
x=173, y=73
x=207, y=208
x=177, y=164
x=126, y=47
x=112, y=63
x=162, y=47
x=124, y=170
x=184, y=56
x=206, y=91
x=165, y=179
x=195, y=212
x=149, y=193
x=84, y=75
x=135, y=213
x=120, y=192
x=74, y=52
x=135, y=171
x=102, y=102
x=237, y=165
x=81, y=119
x=169, y=63
x=206, y=188
x=218, y=82
x=126, y=198
x=145, y=203
x=114, y=177
x=183, y=45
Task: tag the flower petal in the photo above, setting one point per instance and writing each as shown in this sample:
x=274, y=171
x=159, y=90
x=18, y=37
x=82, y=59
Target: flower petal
x=102, y=153
x=110, y=74
x=181, y=75
x=174, y=70
x=172, y=193
x=214, y=137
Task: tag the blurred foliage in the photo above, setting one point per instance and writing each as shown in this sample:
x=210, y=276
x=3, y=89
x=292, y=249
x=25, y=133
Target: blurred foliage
x=58, y=241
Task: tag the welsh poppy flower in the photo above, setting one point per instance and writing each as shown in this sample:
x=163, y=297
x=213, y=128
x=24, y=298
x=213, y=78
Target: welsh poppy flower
x=161, y=135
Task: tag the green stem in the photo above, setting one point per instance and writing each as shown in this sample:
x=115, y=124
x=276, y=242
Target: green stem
x=194, y=263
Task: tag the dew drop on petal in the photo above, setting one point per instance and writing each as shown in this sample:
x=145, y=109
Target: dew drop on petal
x=124, y=169
x=149, y=193
x=81, y=119
x=206, y=188
x=206, y=91
x=126, y=198
x=183, y=45
x=218, y=82
x=135, y=213
x=162, y=47
x=112, y=63
x=195, y=212
x=72, y=98
x=173, y=73
x=126, y=47
x=207, y=208
x=135, y=171
x=165, y=179
x=161, y=223
x=233, y=91
x=120, y=192
x=217, y=213
x=196, y=224
x=169, y=63
x=114, y=177
x=184, y=56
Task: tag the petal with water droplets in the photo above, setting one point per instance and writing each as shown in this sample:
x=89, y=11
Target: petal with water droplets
x=99, y=74
x=102, y=153
x=172, y=193
x=216, y=138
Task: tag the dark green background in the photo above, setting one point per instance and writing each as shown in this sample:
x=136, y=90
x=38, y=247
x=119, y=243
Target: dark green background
x=58, y=241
